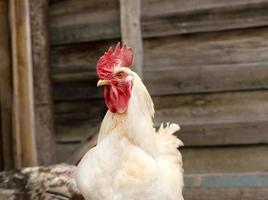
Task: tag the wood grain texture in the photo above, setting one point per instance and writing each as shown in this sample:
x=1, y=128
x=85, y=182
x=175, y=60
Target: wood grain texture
x=130, y=17
x=75, y=120
x=23, y=94
x=1, y=147
x=75, y=21
x=224, y=119
x=88, y=143
x=213, y=108
x=80, y=21
x=223, y=194
x=233, y=159
x=217, y=119
x=5, y=88
x=224, y=134
x=227, y=180
x=43, y=109
x=99, y=17
x=213, y=62
x=184, y=17
x=64, y=151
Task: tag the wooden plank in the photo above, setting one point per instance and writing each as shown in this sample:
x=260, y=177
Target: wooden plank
x=78, y=58
x=223, y=194
x=79, y=110
x=5, y=87
x=233, y=159
x=75, y=120
x=99, y=19
x=151, y=8
x=224, y=134
x=174, y=80
x=217, y=119
x=193, y=17
x=196, y=63
x=87, y=143
x=74, y=131
x=23, y=94
x=81, y=90
x=173, y=65
x=202, y=79
x=1, y=147
x=225, y=119
x=64, y=151
x=229, y=47
x=44, y=122
x=80, y=21
x=213, y=108
x=226, y=186
x=227, y=180
x=130, y=14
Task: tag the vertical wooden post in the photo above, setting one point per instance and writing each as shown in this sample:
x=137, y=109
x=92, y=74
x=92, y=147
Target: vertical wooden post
x=130, y=12
x=33, y=114
x=5, y=87
x=45, y=138
x=23, y=95
x=1, y=143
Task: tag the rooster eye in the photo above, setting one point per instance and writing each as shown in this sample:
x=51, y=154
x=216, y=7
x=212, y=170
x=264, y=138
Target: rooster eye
x=120, y=75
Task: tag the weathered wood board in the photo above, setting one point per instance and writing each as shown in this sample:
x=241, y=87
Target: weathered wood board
x=229, y=61
x=43, y=109
x=75, y=120
x=23, y=92
x=102, y=17
x=81, y=21
x=130, y=24
x=217, y=119
x=226, y=193
x=206, y=119
x=5, y=88
x=205, y=64
x=32, y=114
x=227, y=180
x=233, y=159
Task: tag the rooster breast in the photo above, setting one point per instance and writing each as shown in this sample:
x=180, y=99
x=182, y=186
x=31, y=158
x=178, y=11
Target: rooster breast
x=117, y=169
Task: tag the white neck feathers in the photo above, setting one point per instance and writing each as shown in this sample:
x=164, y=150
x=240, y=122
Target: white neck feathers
x=136, y=124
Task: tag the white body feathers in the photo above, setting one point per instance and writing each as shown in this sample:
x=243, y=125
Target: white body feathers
x=131, y=160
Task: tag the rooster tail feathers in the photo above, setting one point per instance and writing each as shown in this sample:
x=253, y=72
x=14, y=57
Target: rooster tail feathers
x=168, y=145
x=166, y=137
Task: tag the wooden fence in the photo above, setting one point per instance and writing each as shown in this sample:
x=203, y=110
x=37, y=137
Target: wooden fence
x=26, y=105
x=204, y=63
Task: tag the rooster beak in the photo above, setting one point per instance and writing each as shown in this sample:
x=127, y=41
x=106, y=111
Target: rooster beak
x=103, y=82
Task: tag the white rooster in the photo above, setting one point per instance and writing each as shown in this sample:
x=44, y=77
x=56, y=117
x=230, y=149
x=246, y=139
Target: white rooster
x=131, y=160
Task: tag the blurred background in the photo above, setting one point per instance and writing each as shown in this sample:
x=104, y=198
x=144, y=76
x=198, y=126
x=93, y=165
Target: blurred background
x=204, y=62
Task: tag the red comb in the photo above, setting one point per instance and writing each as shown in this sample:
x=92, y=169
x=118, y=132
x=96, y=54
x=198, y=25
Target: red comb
x=120, y=56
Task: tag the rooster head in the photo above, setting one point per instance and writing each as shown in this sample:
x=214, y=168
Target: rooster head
x=114, y=73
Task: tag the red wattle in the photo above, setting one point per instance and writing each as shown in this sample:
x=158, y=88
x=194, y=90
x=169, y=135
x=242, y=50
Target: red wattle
x=117, y=96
